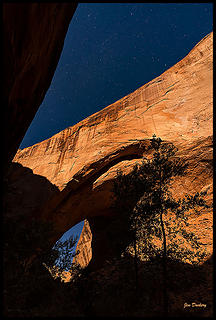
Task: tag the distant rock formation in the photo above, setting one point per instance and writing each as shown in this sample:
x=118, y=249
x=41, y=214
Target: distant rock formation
x=82, y=160
x=84, y=246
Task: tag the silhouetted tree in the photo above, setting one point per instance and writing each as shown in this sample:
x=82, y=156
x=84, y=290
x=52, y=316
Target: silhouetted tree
x=60, y=257
x=145, y=197
x=24, y=284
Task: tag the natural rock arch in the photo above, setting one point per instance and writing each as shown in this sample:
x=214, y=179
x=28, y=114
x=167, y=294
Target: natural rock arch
x=82, y=160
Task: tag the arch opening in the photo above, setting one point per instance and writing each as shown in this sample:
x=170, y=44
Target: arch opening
x=73, y=251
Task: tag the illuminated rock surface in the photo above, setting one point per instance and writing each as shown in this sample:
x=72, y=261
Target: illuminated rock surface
x=82, y=161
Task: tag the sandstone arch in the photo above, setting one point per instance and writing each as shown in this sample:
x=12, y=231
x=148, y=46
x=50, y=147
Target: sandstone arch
x=82, y=160
x=177, y=106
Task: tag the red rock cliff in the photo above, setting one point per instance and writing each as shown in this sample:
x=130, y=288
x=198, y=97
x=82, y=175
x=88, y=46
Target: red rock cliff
x=82, y=160
x=176, y=106
x=84, y=246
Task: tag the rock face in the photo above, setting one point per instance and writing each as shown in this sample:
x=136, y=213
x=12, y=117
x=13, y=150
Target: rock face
x=33, y=40
x=84, y=246
x=177, y=106
x=82, y=160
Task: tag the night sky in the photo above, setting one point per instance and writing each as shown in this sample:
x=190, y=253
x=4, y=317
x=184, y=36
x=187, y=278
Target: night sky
x=110, y=50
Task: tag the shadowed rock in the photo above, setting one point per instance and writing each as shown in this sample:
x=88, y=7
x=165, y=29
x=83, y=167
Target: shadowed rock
x=33, y=36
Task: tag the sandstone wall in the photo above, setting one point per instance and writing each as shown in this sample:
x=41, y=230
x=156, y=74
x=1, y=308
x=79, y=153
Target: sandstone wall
x=177, y=106
x=82, y=161
x=84, y=246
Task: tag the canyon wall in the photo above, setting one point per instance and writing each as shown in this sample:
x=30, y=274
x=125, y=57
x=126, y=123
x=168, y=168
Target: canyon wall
x=33, y=38
x=177, y=106
x=84, y=246
x=82, y=161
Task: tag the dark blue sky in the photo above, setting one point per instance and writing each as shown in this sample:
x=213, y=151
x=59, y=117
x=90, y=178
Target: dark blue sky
x=110, y=50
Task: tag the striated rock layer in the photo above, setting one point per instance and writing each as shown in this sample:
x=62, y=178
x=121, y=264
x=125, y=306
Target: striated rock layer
x=84, y=246
x=82, y=161
x=177, y=106
x=33, y=40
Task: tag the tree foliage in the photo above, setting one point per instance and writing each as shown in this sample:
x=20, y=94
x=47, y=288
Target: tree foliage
x=60, y=257
x=30, y=283
x=155, y=212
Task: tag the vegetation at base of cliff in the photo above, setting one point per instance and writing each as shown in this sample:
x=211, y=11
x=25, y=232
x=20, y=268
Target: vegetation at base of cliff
x=156, y=263
x=106, y=291
x=25, y=275
x=144, y=197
